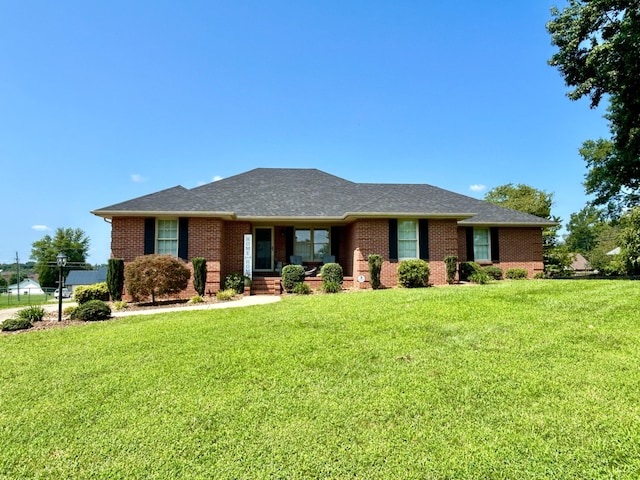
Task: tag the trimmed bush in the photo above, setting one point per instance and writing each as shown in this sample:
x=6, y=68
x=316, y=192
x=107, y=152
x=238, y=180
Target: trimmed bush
x=115, y=278
x=413, y=273
x=155, y=276
x=13, y=324
x=451, y=266
x=227, y=294
x=93, y=310
x=196, y=299
x=515, y=274
x=199, y=274
x=301, y=289
x=467, y=269
x=331, y=287
x=292, y=275
x=331, y=272
x=120, y=305
x=234, y=281
x=480, y=277
x=493, y=271
x=375, y=267
x=34, y=313
x=85, y=293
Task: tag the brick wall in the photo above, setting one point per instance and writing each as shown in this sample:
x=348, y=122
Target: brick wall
x=232, y=258
x=127, y=238
x=520, y=247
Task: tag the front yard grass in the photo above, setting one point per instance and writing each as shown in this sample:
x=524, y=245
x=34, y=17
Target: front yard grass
x=529, y=379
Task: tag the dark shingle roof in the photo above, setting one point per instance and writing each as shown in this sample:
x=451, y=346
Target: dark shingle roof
x=280, y=193
x=86, y=277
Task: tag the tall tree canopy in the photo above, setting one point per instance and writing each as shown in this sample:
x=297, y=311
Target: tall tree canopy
x=599, y=55
x=584, y=229
x=72, y=242
x=522, y=198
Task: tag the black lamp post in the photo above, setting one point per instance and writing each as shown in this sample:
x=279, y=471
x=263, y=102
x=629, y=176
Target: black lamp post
x=61, y=260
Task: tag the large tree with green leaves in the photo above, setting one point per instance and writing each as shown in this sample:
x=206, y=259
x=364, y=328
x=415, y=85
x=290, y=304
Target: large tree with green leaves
x=584, y=228
x=599, y=57
x=71, y=241
x=629, y=240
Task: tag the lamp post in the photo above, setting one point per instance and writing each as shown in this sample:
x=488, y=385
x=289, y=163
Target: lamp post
x=61, y=260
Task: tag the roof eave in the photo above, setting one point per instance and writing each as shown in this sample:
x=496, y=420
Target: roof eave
x=162, y=213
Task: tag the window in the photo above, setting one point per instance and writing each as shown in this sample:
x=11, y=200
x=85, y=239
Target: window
x=167, y=237
x=407, y=239
x=312, y=244
x=481, y=245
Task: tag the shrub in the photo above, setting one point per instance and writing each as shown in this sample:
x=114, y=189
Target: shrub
x=413, y=273
x=13, y=324
x=301, y=289
x=34, y=313
x=92, y=310
x=227, y=294
x=493, y=271
x=515, y=273
x=451, y=266
x=120, y=305
x=115, y=278
x=467, y=269
x=234, y=281
x=196, y=299
x=331, y=272
x=154, y=276
x=539, y=275
x=480, y=277
x=68, y=312
x=331, y=287
x=375, y=267
x=292, y=275
x=199, y=274
x=85, y=293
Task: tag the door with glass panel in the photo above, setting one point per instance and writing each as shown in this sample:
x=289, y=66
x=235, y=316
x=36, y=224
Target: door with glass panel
x=263, y=248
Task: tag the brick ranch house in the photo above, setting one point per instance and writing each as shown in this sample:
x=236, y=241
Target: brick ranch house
x=255, y=221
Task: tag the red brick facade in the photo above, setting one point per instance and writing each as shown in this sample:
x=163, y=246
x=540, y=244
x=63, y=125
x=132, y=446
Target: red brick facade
x=220, y=242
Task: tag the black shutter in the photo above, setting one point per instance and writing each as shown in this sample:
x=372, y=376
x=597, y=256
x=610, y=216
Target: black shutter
x=288, y=243
x=495, y=246
x=469, y=233
x=423, y=234
x=149, y=235
x=183, y=238
x=393, y=240
x=335, y=243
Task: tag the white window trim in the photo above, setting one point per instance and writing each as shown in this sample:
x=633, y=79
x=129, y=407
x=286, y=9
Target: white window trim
x=417, y=224
x=177, y=239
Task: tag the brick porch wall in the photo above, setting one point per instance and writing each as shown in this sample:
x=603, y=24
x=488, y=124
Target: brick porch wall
x=232, y=257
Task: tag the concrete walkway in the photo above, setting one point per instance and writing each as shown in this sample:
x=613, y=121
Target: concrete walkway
x=243, y=302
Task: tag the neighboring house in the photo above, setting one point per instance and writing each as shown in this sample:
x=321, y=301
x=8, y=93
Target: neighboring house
x=26, y=287
x=85, y=277
x=615, y=251
x=310, y=213
x=580, y=265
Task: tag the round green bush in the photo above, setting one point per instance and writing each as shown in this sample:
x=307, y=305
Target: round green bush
x=234, y=281
x=515, y=274
x=331, y=272
x=493, y=271
x=86, y=293
x=292, y=275
x=467, y=269
x=13, y=324
x=92, y=310
x=413, y=273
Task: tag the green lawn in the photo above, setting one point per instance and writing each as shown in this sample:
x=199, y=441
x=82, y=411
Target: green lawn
x=11, y=301
x=529, y=379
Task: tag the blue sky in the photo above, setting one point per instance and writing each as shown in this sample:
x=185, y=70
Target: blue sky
x=101, y=102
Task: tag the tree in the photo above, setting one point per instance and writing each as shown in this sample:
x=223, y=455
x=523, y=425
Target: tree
x=115, y=278
x=629, y=240
x=155, y=276
x=3, y=283
x=584, y=228
x=599, y=56
x=72, y=242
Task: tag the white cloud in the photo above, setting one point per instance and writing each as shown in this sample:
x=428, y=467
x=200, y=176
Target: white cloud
x=40, y=228
x=135, y=177
x=477, y=187
x=216, y=178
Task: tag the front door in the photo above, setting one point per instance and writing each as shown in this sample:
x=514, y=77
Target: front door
x=263, y=248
